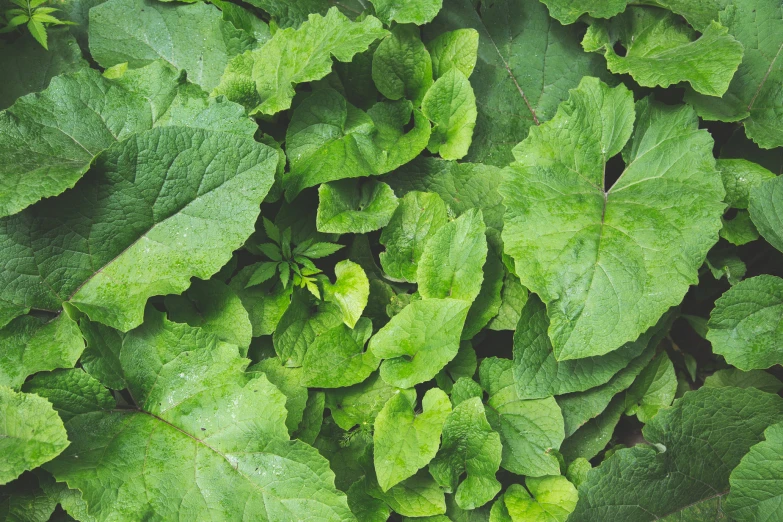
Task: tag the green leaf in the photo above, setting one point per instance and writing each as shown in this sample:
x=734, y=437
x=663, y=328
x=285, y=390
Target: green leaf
x=513, y=298
x=454, y=50
x=329, y=139
x=359, y=404
x=569, y=11
x=538, y=374
x=470, y=446
x=725, y=262
x=49, y=141
x=529, y=429
x=190, y=37
x=289, y=382
x=401, y=65
x=577, y=471
x=655, y=387
x=745, y=325
x=462, y=186
x=603, y=249
x=756, y=483
x=420, y=340
x=739, y=177
x=466, y=388
x=114, y=260
x=32, y=344
x=580, y=407
x=23, y=500
x=72, y=392
x=648, y=482
x=354, y=206
x=525, y=67
x=312, y=418
x=337, y=358
x=319, y=250
x=452, y=260
x=349, y=292
x=550, y=499
x=38, y=31
x=754, y=97
x=263, y=80
x=28, y=67
x=451, y=106
x=740, y=230
x=417, y=12
x=737, y=378
x=417, y=218
x=418, y=496
x=592, y=437
x=661, y=49
x=214, y=307
x=291, y=13
x=261, y=273
x=488, y=301
x=101, y=357
x=30, y=435
x=265, y=303
x=207, y=427
x=301, y=323
x=766, y=210
x=404, y=440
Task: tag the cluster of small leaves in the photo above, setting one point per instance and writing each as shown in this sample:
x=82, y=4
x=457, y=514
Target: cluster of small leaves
x=437, y=260
x=34, y=15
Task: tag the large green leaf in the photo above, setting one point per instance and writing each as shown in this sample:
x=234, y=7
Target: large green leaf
x=291, y=13
x=194, y=37
x=349, y=292
x=538, y=374
x=49, y=140
x=401, y=65
x=406, y=441
x=211, y=439
x=451, y=106
x=569, y=11
x=263, y=80
x=461, y=186
x=766, y=211
x=609, y=261
x=329, y=139
x=452, y=261
x=580, y=407
x=354, y=206
x=301, y=323
x=337, y=358
x=470, y=447
x=417, y=12
x=31, y=433
x=417, y=218
x=661, y=50
x=739, y=177
x=420, y=340
x=546, y=499
x=456, y=49
x=757, y=482
x=30, y=344
x=694, y=445
x=157, y=209
x=754, y=96
x=27, y=67
x=526, y=65
x=745, y=325
x=529, y=429
x=360, y=403
x=214, y=307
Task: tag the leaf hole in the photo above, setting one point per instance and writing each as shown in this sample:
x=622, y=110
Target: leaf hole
x=619, y=49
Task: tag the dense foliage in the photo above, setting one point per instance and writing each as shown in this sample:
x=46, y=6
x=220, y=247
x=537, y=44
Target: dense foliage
x=437, y=260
